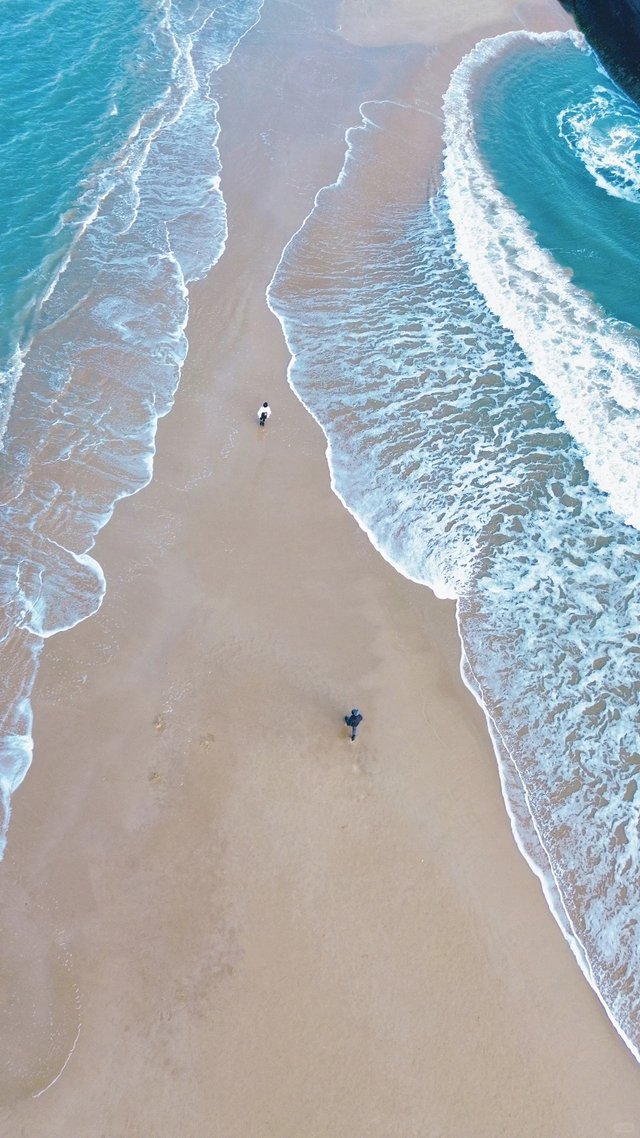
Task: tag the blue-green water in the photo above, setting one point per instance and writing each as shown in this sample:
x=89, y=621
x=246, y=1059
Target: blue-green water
x=491, y=373
x=580, y=191
x=474, y=367
x=75, y=82
x=109, y=205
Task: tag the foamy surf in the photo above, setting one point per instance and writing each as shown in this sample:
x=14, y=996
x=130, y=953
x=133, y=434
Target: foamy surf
x=100, y=335
x=604, y=132
x=459, y=464
x=588, y=362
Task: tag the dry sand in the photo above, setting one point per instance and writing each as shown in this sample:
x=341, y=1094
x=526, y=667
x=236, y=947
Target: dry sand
x=219, y=918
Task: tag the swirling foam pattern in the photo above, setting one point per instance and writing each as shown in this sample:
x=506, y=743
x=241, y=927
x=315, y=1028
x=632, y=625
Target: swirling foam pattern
x=423, y=341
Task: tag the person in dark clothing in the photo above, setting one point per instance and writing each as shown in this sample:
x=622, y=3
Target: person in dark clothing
x=263, y=414
x=353, y=721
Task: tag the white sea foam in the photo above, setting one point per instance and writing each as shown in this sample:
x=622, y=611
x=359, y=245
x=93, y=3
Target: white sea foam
x=424, y=535
x=104, y=341
x=604, y=132
x=448, y=451
x=589, y=363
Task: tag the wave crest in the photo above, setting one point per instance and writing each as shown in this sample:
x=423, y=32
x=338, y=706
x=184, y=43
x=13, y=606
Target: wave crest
x=588, y=362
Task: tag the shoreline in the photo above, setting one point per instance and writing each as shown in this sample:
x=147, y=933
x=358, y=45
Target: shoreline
x=529, y=845
x=256, y=931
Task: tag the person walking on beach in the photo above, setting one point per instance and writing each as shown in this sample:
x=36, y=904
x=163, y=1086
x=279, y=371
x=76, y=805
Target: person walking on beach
x=263, y=413
x=353, y=721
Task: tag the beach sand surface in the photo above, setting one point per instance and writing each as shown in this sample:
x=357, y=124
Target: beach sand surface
x=220, y=918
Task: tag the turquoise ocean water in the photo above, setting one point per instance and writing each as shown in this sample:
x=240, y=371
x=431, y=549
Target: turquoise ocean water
x=109, y=205
x=475, y=365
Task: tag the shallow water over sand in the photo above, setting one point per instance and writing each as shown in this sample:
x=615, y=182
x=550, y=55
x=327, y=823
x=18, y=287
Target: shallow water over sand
x=452, y=453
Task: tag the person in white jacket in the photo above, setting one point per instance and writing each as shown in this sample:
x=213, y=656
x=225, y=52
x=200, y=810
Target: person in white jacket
x=263, y=413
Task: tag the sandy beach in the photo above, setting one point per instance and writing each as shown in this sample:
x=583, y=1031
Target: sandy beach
x=221, y=919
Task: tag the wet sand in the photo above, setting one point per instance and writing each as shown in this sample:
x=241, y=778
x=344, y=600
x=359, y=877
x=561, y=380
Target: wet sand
x=220, y=918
